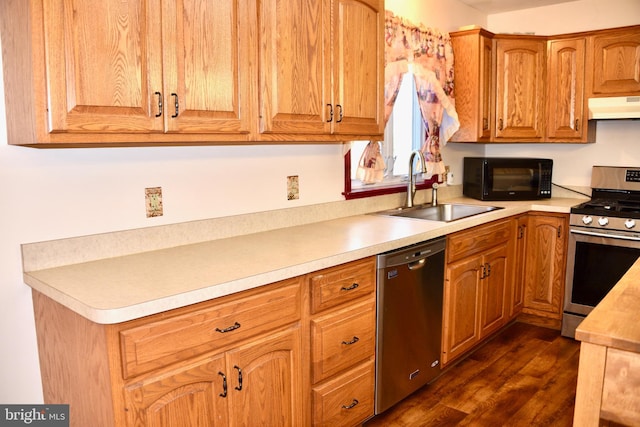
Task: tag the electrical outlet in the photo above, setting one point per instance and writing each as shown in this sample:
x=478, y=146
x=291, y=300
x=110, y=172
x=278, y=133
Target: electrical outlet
x=293, y=188
x=153, y=201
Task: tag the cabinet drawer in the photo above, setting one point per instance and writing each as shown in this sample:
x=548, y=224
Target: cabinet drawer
x=342, y=284
x=478, y=239
x=346, y=400
x=171, y=339
x=342, y=339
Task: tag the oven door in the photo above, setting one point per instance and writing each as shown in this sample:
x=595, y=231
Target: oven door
x=595, y=263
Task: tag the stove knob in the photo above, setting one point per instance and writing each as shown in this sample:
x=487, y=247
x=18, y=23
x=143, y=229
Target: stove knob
x=586, y=220
x=603, y=221
x=629, y=224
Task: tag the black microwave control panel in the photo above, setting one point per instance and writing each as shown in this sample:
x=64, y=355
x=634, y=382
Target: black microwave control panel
x=633, y=175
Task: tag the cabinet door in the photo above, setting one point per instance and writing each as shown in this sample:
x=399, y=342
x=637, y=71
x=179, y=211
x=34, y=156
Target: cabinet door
x=495, y=277
x=520, y=69
x=356, y=103
x=102, y=66
x=207, y=55
x=473, y=89
x=265, y=385
x=295, y=65
x=192, y=395
x=545, y=265
x=461, y=307
x=615, y=64
x=566, y=119
x=516, y=297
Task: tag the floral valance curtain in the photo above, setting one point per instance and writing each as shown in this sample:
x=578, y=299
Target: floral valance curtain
x=430, y=54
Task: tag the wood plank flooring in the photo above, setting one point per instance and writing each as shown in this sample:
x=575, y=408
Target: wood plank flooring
x=524, y=376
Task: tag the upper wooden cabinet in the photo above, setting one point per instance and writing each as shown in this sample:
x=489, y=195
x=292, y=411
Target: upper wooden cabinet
x=321, y=67
x=540, y=84
x=112, y=71
x=614, y=62
x=473, y=84
x=520, y=89
x=192, y=71
x=567, y=117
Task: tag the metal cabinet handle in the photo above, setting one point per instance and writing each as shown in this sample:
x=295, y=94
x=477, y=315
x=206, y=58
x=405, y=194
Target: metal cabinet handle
x=353, y=341
x=521, y=229
x=159, y=95
x=239, y=386
x=330, y=113
x=485, y=124
x=352, y=405
x=339, y=115
x=177, y=105
x=500, y=124
x=224, y=385
x=577, y=122
x=488, y=270
x=559, y=231
x=483, y=273
x=350, y=288
x=233, y=327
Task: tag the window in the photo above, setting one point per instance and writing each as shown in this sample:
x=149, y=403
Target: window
x=403, y=134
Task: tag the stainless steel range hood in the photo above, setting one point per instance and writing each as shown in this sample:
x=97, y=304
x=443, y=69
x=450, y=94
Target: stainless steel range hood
x=620, y=107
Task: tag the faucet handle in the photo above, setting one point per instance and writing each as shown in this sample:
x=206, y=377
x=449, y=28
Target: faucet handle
x=434, y=185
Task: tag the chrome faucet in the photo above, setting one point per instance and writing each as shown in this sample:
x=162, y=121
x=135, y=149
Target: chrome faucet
x=411, y=185
x=434, y=194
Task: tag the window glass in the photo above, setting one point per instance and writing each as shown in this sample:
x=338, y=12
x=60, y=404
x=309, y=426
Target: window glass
x=403, y=134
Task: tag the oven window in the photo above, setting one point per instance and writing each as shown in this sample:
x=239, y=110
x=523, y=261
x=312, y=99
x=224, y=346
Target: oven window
x=514, y=179
x=597, y=269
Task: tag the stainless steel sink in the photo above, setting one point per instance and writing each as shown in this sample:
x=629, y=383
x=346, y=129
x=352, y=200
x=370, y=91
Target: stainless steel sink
x=446, y=212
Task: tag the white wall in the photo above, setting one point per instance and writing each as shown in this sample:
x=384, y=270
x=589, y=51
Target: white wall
x=52, y=194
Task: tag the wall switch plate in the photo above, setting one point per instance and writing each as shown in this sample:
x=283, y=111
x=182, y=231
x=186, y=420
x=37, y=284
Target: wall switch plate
x=293, y=188
x=153, y=201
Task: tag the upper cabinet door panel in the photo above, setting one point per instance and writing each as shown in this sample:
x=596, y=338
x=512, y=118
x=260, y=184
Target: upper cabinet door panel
x=207, y=57
x=295, y=65
x=102, y=66
x=616, y=63
x=565, y=82
x=520, y=66
x=358, y=81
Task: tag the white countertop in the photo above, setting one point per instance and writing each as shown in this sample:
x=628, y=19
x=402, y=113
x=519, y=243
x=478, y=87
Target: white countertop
x=122, y=288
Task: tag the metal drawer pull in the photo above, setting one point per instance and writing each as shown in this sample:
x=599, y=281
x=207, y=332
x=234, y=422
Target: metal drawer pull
x=239, y=386
x=353, y=404
x=488, y=270
x=159, y=104
x=177, y=105
x=350, y=288
x=235, y=326
x=224, y=385
x=353, y=341
x=340, y=115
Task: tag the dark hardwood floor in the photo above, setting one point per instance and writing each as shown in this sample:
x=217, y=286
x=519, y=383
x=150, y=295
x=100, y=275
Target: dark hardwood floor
x=524, y=376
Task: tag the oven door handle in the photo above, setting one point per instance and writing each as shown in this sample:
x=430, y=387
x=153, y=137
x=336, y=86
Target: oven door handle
x=610, y=236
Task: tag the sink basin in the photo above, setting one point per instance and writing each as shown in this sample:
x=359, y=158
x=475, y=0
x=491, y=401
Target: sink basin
x=446, y=212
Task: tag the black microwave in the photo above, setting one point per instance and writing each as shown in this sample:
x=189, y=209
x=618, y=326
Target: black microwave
x=507, y=178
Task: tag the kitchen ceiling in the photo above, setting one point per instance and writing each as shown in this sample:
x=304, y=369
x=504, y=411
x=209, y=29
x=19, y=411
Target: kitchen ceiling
x=499, y=6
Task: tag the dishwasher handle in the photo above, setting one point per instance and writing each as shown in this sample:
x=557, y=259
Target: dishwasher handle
x=416, y=265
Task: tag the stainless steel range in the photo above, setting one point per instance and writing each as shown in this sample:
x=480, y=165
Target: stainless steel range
x=604, y=241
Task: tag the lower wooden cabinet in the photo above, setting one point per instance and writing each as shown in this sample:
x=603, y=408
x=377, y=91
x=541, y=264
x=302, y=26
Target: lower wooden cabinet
x=342, y=341
x=229, y=386
x=478, y=276
x=545, y=265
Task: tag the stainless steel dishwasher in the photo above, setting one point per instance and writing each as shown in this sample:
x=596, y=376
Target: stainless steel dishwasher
x=409, y=320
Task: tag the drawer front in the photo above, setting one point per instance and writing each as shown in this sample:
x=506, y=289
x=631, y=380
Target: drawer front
x=162, y=342
x=342, y=339
x=346, y=400
x=342, y=284
x=478, y=239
